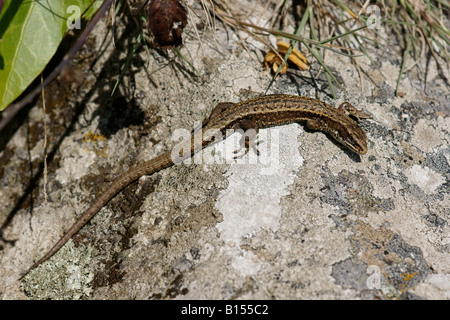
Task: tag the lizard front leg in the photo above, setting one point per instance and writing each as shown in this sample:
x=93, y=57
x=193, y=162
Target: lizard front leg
x=250, y=128
x=358, y=114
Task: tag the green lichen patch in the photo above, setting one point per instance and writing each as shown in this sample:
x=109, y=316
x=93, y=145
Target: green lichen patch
x=64, y=276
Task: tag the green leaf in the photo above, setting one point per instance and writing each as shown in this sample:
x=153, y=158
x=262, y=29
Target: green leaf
x=30, y=33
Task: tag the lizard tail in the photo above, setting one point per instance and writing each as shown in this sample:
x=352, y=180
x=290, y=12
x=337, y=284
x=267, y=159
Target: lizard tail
x=149, y=167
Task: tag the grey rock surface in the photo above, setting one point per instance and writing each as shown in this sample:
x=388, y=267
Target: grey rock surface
x=307, y=220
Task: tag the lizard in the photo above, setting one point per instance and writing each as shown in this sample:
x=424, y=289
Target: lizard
x=261, y=112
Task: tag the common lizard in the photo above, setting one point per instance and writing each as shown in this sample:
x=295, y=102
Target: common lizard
x=265, y=111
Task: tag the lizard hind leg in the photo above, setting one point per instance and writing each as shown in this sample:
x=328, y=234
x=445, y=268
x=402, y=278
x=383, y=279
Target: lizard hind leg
x=214, y=114
x=219, y=109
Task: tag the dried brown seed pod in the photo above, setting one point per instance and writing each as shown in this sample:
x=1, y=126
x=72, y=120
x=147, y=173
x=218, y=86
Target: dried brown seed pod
x=166, y=21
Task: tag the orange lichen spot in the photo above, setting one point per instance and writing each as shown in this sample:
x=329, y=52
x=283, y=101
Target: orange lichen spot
x=93, y=137
x=275, y=59
x=408, y=276
x=102, y=152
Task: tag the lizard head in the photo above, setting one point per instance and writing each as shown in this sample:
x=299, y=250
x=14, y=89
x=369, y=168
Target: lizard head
x=352, y=136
